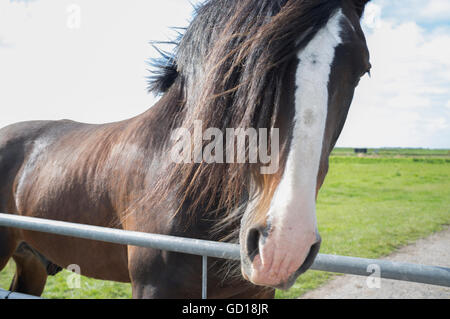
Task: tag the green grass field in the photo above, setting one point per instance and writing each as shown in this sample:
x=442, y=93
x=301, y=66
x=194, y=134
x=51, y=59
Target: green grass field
x=368, y=207
x=395, y=152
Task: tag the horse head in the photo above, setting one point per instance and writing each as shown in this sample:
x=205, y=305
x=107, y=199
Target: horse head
x=289, y=66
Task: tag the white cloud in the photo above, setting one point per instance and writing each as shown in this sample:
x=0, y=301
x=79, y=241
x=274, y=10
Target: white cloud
x=437, y=124
x=372, y=15
x=96, y=73
x=401, y=105
x=429, y=12
x=4, y=44
x=436, y=9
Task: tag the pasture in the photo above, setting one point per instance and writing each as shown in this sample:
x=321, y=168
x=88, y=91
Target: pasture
x=369, y=206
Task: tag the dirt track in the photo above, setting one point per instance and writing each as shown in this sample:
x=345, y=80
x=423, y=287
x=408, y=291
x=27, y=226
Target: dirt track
x=434, y=250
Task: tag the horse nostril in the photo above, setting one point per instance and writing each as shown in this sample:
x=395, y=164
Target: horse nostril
x=253, y=237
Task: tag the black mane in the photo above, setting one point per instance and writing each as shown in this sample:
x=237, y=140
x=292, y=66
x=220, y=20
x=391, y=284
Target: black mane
x=164, y=73
x=164, y=70
x=228, y=70
x=210, y=18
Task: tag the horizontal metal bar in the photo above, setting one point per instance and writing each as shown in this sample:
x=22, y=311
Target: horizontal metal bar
x=432, y=275
x=118, y=236
x=4, y=294
x=350, y=265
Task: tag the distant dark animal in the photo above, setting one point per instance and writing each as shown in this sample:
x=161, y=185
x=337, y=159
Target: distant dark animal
x=286, y=65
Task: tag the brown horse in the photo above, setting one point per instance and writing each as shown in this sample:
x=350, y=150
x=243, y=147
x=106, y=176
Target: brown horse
x=287, y=66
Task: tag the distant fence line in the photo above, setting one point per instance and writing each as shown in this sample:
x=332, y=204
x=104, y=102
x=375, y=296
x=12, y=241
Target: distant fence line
x=433, y=275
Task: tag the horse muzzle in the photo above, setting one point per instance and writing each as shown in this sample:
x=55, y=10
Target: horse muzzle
x=276, y=259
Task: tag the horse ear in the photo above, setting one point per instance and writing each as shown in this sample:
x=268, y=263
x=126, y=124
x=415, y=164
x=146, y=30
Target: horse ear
x=359, y=6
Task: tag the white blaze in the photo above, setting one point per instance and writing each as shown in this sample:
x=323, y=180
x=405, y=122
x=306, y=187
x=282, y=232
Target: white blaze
x=292, y=211
x=293, y=204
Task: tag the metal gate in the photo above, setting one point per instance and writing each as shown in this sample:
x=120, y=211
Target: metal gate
x=433, y=275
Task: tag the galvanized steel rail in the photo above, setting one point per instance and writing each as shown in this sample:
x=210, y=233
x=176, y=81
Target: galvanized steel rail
x=350, y=265
x=4, y=294
x=118, y=236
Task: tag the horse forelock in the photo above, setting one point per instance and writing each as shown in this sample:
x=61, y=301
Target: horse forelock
x=233, y=61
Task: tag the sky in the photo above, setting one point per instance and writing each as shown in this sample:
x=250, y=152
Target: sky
x=87, y=61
